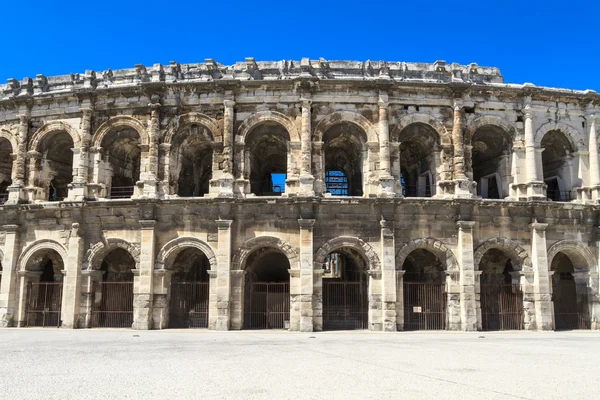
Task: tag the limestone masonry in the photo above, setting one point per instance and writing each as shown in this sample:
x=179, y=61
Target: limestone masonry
x=304, y=195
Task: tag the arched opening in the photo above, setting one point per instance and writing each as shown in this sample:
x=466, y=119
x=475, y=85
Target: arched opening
x=491, y=161
x=345, y=158
x=122, y=161
x=56, y=167
x=267, y=290
x=425, y=295
x=556, y=165
x=43, y=296
x=113, y=296
x=6, y=151
x=569, y=295
x=419, y=145
x=189, y=290
x=345, y=291
x=501, y=297
x=267, y=148
x=191, y=162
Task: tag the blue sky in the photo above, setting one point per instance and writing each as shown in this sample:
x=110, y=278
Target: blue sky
x=548, y=42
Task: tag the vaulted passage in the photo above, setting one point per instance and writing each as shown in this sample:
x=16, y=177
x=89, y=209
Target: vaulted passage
x=122, y=154
x=419, y=147
x=191, y=162
x=424, y=292
x=557, y=165
x=345, y=159
x=44, y=289
x=189, y=290
x=267, y=147
x=54, y=171
x=491, y=161
x=345, y=291
x=501, y=296
x=6, y=151
x=569, y=295
x=267, y=290
x=113, y=296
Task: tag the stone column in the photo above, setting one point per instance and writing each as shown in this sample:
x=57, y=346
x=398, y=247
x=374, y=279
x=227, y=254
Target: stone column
x=536, y=189
x=226, y=179
x=541, y=282
x=81, y=159
x=388, y=276
x=400, y=300
x=8, y=285
x=16, y=193
x=220, y=286
x=463, y=187
x=302, y=297
x=161, y=298
x=468, y=308
x=594, y=166
x=307, y=179
x=142, y=296
x=71, y=299
x=386, y=180
x=149, y=175
x=237, y=299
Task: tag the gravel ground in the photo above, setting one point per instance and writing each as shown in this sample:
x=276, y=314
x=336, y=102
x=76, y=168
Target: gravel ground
x=178, y=364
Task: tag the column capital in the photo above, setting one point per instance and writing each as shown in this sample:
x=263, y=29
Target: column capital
x=147, y=223
x=24, y=117
x=306, y=223
x=538, y=226
x=457, y=104
x=154, y=106
x=385, y=223
x=305, y=101
x=465, y=225
x=223, y=224
x=229, y=103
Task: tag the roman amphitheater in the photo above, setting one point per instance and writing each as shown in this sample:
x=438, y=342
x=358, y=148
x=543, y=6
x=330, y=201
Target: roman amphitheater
x=304, y=195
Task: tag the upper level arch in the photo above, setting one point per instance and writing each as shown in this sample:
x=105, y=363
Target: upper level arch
x=575, y=138
x=443, y=136
x=491, y=121
x=11, y=138
x=50, y=128
x=340, y=117
x=121, y=121
x=263, y=117
x=185, y=121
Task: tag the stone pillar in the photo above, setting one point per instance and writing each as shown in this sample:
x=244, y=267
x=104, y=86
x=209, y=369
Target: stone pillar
x=386, y=180
x=375, y=299
x=468, y=307
x=16, y=193
x=81, y=159
x=220, y=283
x=463, y=187
x=302, y=290
x=8, y=285
x=388, y=276
x=71, y=299
x=89, y=278
x=477, y=275
x=142, y=292
x=149, y=164
x=400, y=300
x=226, y=179
x=160, y=298
x=594, y=166
x=536, y=189
x=307, y=180
x=237, y=299
x=453, y=307
x=542, y=285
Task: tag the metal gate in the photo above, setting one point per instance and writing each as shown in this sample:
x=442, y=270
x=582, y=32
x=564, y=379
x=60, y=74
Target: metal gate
x=501, y=307
x=345, y=305
x=113, y=305
x=189, y=305
x=267, y=305
x=44, y=301
x=570, y=306
x=424, y=306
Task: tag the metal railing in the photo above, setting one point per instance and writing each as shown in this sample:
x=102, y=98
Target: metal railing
x=412, y=191
x=345, y=305
x=121, y=192
x=501, y=307
x=267, y=305
x=113, y=305
x=189, y=305
x=424, y=306
x=559, y=195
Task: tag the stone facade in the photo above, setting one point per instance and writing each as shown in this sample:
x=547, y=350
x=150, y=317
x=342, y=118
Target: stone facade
x=446, y=172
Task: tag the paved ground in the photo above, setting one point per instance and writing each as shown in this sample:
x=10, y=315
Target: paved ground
x=92, y=364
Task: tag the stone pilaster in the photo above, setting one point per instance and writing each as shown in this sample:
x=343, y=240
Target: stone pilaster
x=143, y=281
x=160, y=298
x=468, y=306
x=477, y=275
x=89, y=278
x=463, y=186
x=81, y=159
x=226, y=179
x=307, y=180
x=594, y=164
x=542, y=285
x=220, y=284
x=400, y=300
x=149, y=163
x=238, y=280
x=388, y=276
x=536, y=189
x=72, y=280
x=302, y=290
x=375, y=300
x=16, y=193
x=387, y=183
x=453, y=307
x=8, y=285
